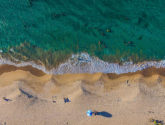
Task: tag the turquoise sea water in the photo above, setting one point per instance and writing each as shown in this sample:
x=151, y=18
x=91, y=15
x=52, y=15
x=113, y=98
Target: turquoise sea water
x=52, y=30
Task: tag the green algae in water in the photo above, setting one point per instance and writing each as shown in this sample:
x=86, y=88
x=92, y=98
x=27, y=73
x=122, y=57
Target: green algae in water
x=112, y=30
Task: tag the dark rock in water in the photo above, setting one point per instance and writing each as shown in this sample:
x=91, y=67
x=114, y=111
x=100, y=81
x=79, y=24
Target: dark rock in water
x=57, y=15
x=6, y=99
x=142, y=20
x=102, y=44
x=140, y=37
x=31, y=2
x=129, y=43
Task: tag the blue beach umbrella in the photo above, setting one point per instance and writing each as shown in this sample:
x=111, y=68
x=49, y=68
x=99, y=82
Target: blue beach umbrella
x=89, y=113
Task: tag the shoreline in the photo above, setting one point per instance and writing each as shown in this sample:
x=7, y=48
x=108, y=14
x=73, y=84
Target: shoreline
x=83, y=63
x=29, y=93
x=147, y=72
x=37, y=80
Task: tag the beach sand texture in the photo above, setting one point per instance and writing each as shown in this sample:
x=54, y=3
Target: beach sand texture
x=30, y=97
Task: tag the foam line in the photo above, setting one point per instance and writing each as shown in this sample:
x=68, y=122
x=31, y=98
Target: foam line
x=84, y=63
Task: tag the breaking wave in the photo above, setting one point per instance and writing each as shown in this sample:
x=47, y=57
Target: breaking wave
x=84, y=63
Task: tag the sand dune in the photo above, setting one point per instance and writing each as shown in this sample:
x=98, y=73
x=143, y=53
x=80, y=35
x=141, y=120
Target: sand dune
x=30, y=97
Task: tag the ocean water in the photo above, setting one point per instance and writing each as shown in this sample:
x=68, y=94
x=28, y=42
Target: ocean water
x=50, y=32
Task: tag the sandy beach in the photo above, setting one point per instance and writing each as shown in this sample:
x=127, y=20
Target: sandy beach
x=28, y=96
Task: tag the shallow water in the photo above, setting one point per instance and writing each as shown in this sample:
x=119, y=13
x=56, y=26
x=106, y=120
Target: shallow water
x=52, y=30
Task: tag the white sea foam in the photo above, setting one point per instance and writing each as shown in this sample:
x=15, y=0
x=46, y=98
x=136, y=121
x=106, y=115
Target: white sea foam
x=22, y=64
x=84, y=63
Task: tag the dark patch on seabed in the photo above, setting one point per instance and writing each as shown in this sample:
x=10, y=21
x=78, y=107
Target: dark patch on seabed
x=50, y=31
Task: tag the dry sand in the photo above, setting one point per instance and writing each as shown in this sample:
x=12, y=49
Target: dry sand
x=31, y=97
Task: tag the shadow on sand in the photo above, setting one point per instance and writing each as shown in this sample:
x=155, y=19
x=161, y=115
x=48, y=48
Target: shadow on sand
x=104, y=114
